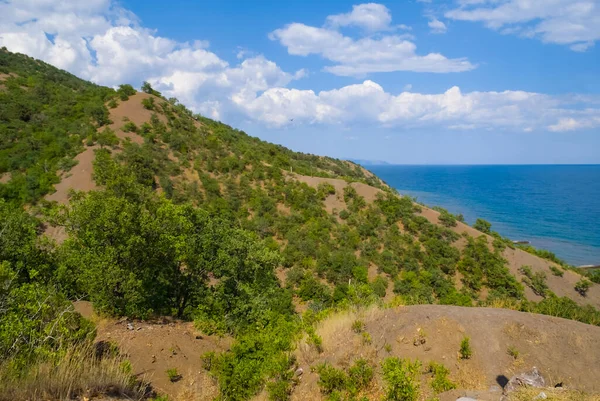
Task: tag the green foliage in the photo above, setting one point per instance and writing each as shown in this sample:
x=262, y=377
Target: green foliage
x=45, y=114
x=402, y=379
x=149, y=103
x=440, y=382
x=582, y=286
x=445, y=217
x=358, y=326
x=147, y=88
x=480, y=266
x=566, y=308
x=347, y=385
x=556, y=271
x=513, y=352
x=256, y=355
x=125, y=91
x=483, y=226
x=36, y=323
x=465, y=351
x=536, y=281
x=331, y=379
x=173, y=375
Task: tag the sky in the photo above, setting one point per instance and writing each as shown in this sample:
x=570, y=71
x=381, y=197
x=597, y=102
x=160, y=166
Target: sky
x=404, y=81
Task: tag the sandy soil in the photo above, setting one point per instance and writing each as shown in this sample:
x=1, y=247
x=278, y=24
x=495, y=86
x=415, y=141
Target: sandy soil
x=135, y=112
x=563, y=350
x=153, y=347
x=78, y=178
x=5, y=177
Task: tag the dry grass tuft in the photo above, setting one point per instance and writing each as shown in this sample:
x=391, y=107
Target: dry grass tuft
x=469, y=376
x=553, y=394
x=81, y=373
x=204, y=390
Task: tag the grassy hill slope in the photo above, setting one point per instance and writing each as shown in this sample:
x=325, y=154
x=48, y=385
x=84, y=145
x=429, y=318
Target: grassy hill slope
x=157, y=211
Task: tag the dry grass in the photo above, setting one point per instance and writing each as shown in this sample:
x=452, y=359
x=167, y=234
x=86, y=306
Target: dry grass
x=204, y=390
x=469, y=376
x=528, y=394
x=80, y=373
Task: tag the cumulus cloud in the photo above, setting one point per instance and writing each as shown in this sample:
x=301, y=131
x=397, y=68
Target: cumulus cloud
x=369, y=103
x=102, y=42
x=437, y=26
x=370, y=16
x=359, y=56
x=567, y=22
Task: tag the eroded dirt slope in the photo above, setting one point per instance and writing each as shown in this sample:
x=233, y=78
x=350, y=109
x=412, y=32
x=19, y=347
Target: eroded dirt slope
x=564, y=351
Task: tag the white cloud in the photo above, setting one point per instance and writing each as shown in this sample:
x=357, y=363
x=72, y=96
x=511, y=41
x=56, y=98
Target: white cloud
x=368, y=103
x=437, y=26
x=371, y=16
x=355, y=57
x=102, y=42
x=567, y=22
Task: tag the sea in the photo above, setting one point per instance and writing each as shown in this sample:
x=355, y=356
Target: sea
x=555, y=207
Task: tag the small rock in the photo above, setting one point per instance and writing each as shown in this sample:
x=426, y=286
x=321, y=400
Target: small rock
x=466, y=399
x=299, y=372
x=199, y=337
x=129, y=326
x=541, y=396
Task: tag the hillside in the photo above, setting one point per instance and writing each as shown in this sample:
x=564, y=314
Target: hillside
x=132, y=202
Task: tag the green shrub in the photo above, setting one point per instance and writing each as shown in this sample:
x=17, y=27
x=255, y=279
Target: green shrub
x=148, y=103
x=556, y=271
x=360, y=375
x=465, y=351
x=331, y=379
x=402, y=379
x=582, y=286
x=173, y=375
x=358, y=326
x=130, y=127
x=483, y=226
x=513, y=352
x=536, y=281
x=440, y=382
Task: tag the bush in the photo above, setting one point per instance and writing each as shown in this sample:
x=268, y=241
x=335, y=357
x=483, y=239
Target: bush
x=440, y=382
x=173, y=375
x=582, y=286
x=360, y=375
x=402, y=379
x=556, y=271
x=358, y=326
x=331, y=379
x=536, y=281
x=513, y=352
x=483, y=226
x=465, y=351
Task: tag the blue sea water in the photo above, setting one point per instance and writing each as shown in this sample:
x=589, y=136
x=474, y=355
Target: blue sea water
x=556, y=207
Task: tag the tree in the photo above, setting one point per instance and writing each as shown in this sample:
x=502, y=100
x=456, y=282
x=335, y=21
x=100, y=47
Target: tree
x=483, y=226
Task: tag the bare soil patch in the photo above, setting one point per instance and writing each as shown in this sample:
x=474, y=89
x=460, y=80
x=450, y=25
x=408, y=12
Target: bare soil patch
x=153, y=347
x=78, y=178
x=563, y=350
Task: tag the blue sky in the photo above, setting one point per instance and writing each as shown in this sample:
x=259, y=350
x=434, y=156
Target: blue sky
x=408, y=82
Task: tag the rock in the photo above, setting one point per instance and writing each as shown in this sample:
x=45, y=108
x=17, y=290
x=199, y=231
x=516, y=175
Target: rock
x=129, y=326
x=299, y=372
x=466, y=399
x=533, y=378
x=540, y=396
